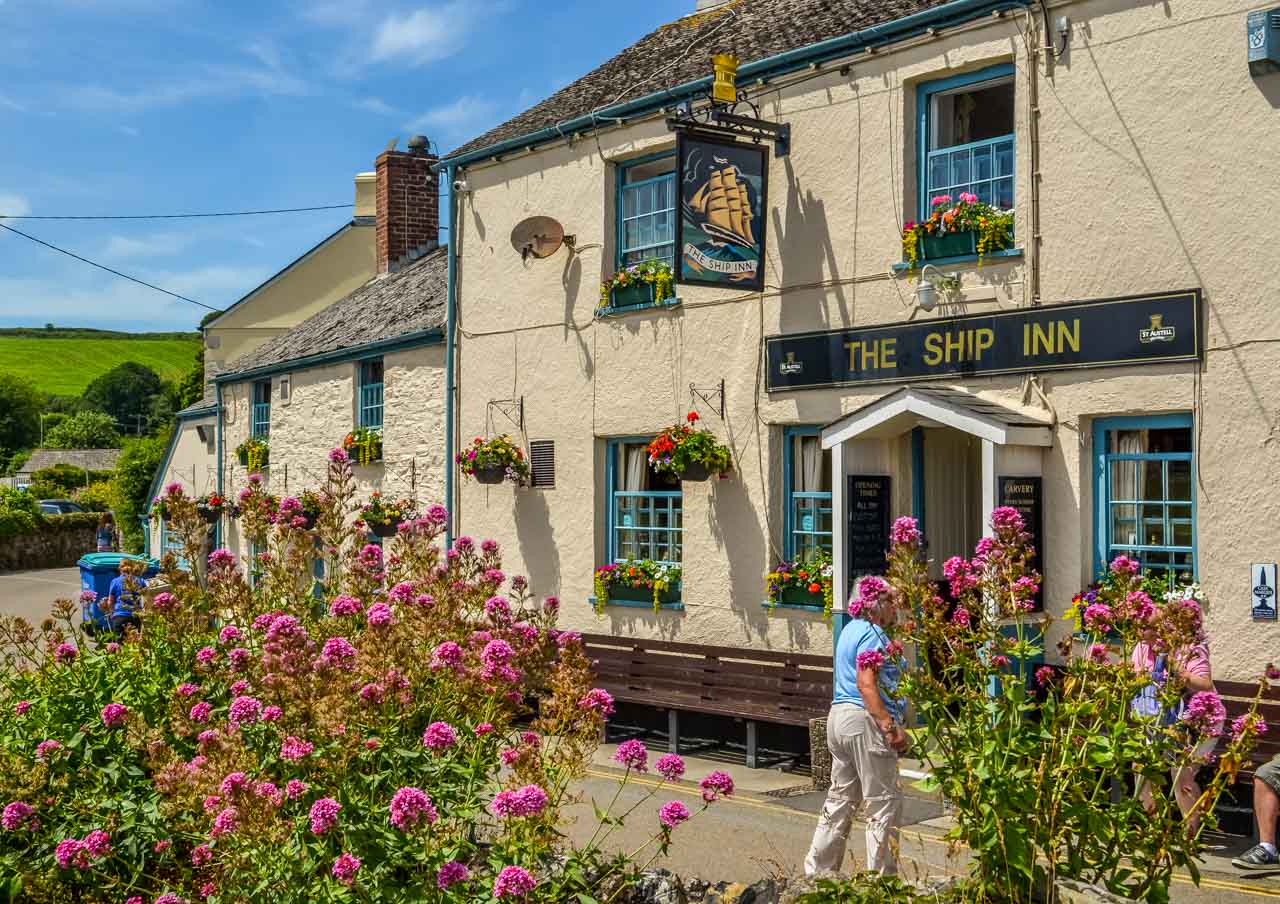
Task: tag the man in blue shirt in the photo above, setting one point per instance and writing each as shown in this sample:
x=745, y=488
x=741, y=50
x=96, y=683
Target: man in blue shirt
x=124, y=600
x=865, y=737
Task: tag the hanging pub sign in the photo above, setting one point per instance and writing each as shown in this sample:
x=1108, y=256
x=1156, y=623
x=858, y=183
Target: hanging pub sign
x=1145, y=329
x=721, y=198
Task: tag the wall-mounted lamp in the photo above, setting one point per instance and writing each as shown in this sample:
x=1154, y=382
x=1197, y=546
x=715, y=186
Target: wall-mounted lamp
x=934, y=282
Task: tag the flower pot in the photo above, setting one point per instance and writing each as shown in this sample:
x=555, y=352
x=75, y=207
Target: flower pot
x=953, y=244
x=627, y=594
x=385, y=529
x=695, y=471
x=244, y=458
x=800, y=596
x=210, y=515
x=631, y=295
x=491, y=474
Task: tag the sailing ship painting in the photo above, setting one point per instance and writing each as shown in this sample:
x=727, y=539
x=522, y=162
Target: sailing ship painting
x=721, y=219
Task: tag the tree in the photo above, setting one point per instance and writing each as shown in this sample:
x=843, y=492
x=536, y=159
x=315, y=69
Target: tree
x=20, y=405
x=58, y=481
x=86, y=430
x=124, y=392
x=131, y=486
x=190, y=386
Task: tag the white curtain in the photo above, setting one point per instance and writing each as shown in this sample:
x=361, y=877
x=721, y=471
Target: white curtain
x=808, y=474
x=635, y=468
x=1128, y=480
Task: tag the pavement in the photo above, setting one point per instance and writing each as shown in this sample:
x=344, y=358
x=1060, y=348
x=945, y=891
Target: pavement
x=30, y=594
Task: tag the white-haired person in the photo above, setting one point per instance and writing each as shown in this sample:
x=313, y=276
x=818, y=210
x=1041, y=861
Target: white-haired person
x=865, y=735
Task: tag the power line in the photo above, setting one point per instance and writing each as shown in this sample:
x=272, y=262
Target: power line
x=86, y=260
x=176, y=216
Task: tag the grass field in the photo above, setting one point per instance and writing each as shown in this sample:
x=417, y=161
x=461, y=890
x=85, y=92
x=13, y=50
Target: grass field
x=67, y=366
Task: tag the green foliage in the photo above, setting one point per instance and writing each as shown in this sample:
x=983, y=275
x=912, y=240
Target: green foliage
x=637, y=574
x=20, y=406
x=14, y=463
x=96, y=497
x=86, y=430
x=254, y=453
x=124, y=392
x=654, y=272
x=872, y=888
x=501, y=452
x=66, y=366
x=364, y=445
x=71, y=521
x=62, y=479
x=19, y=513
x=131, y=487
x=677, y=447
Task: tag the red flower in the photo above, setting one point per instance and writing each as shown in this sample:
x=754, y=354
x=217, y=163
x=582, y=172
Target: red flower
x=691, y=417
x=815, y=588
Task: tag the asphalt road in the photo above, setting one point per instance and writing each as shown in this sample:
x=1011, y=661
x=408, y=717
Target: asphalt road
x=30, y=594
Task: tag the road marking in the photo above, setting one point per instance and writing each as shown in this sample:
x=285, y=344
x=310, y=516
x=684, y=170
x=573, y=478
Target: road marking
x=1181, y=878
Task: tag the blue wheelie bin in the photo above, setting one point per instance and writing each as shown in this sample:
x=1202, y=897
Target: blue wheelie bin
x=97, y=571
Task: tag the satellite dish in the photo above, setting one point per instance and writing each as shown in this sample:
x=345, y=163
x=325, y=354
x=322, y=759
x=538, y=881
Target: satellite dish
x=537, y=237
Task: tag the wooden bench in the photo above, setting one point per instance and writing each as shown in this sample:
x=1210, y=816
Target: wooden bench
x=753, y=685
x=1238, y=697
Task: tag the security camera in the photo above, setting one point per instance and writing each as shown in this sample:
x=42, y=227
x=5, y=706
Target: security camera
x=461, y=186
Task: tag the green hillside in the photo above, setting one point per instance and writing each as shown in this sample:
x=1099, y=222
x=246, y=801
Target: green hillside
x=67, y=366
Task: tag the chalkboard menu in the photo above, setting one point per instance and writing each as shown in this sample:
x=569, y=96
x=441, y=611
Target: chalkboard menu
x=869, y=502
x=1026, y=495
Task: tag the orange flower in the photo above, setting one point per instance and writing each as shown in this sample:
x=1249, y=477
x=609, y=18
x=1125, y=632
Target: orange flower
x=815, y=588
x=691, y=417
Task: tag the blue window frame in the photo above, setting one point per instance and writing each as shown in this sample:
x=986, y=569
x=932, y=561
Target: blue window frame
x=1144, y=496
x=645, y=510
x=261, y=423
x=806, y=490
x=965, y=137
x=646, y=207
x=369, y=400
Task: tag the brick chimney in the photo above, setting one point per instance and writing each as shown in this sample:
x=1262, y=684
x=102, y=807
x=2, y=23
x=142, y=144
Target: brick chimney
x=408, y=202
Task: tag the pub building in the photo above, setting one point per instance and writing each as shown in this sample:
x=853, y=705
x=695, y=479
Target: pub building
x=1106, y=363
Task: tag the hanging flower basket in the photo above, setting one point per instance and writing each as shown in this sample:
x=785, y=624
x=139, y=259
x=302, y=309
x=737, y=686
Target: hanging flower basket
x=253, y=453
x=211, y=507
x=363, y=445
x=957, y=229
x=495, y=460
x=384, y=518
x=686, y=453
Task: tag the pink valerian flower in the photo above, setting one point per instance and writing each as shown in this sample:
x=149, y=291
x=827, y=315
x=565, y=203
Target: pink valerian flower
x=294, y=749
x=960, y=617
x=598, y=700
x=162, y=845
x=1025, y=587
x=1000, y=661
x=1205, y=713
x=21, y=707
x=170, y=898
x=483, y=729
x=17, y=814
x=402, y=593
x=70, y=852
x=489, y=547
x=324, y=815
x=439, y=736
x=345, y=867
x=1140, y=606
x=508, y=755
x=672, y=813
x=200, y=712
x=113, y=647
x=206, y=655
x=239, y=688
x=245, y=710
x=134, y=899
x=339, y=456
x=1099, y=618
x=373, y=694
x=221, y=559
x=114, y=715
x=1240, y=725
x=339, y=652
x=961, y=575
x=410, y=806
x=1006, y=519
x=343, y=606
x=65, y=653
x=226, y=822
x=870, y=659
x=632, y=754
x=496, y=654
x=208, y=889
x=164, y=602
x=1044, y=675
x=451, y=873
x=187, y=690
x=294, y=789
x=270, y=792
x=46, y=749
x=211, y=803
x=872, y=590
x=229, y=635
x=670, y=766
x=238, y=658
x=201, y=855
x=379, y=615
x=717, y=784
x=1098, y=653
x=498, y=610
x=234, y=783
x=513, y=882
x=568, y=638
x=1124, y=565
x=272, y=714
x=905, y=531
x=447, y=655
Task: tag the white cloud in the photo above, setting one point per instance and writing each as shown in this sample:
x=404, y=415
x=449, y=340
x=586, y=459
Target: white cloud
x=335, y=13
x=424, y=35
x=14, y=205
x=376, y=105
x=8, y=103
x=121, y=247
x=464, y=114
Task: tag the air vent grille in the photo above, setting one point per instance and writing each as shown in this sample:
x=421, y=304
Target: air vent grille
x=542, y=462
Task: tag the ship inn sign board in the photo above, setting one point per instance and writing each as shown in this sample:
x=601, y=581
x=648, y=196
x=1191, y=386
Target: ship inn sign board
x=721, y=196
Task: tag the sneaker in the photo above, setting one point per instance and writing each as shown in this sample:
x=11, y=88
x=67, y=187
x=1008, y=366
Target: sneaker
x=1257, y=858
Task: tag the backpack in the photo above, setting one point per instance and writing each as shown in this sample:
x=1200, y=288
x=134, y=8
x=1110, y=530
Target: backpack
x=1147, y=705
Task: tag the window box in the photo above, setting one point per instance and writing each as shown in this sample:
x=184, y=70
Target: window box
x=622, y=594
x=953, y=244
x=798, y=596
x=632, y=295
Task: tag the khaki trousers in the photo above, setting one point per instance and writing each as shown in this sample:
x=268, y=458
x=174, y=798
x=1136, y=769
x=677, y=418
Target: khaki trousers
x=864, y=770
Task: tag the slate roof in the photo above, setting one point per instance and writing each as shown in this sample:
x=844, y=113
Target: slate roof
x=88, y=459
x=680, y=52
x=408, y=300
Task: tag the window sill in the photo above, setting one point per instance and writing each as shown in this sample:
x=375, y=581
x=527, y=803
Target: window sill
x=638, y=604
x=611, y=311
x=798, y=607
x=1007, y=253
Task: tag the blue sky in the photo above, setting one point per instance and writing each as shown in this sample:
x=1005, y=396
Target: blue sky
x=161, y=106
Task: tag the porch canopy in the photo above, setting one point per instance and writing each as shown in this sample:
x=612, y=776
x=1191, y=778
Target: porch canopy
x=1012, y=443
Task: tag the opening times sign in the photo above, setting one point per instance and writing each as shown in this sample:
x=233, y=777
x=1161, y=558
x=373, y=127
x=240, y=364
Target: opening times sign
x=1144, y=329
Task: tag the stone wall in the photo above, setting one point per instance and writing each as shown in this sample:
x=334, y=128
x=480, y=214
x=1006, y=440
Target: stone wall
x=58, y=544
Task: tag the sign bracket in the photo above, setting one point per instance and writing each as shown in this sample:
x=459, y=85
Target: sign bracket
x=511, y=409
x=712, y=397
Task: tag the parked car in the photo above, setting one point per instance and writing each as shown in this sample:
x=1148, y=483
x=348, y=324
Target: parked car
x=58, y=507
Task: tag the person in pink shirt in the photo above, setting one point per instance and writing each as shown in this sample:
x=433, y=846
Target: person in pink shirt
x=1191, y=665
